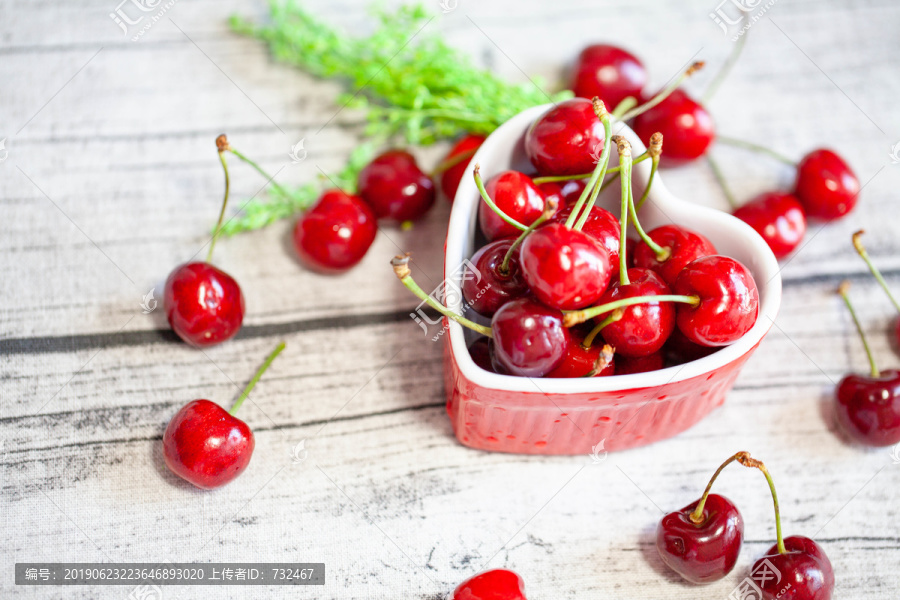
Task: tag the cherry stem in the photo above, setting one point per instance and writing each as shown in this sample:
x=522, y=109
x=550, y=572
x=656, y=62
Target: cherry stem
x=758, y=464
x=730, y=141
x=401, y=269
x=662, y=254
x=720, y=179
x=221, y=145
x=487, y=200
x=452, y=161
x=624, y=106
x=606, y=356
x=615, y=316
x=663, y=94
x=259, y=373
x=843, y=290
x=696, y=517
x=725, y=70
x=861, y=250
x=609, y=171
x=574, y=317
x=550, y=206
x=599, y=171
x=586, y=212
x=654, y=152
x=624, y=150
x=270, y=178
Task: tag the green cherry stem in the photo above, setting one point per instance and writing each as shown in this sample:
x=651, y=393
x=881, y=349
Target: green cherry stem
x=401, y=270
x=725, y=70
x=270, y=178
x=844, y=290
x=259, y=373
x=758, y=464
x=221, y=146
x=696, y=517
x=574, y=317
x=861, y=250
x=661, y=253
x=604, y=159
x=663, y=94
x=609, y=171
x=654, y=152
x=550, y=206
x=487, y=200
x=602, y=164
x=720, y=179
x=624, y=150
x=615, y=316
x=730, y=141
x=624, y=106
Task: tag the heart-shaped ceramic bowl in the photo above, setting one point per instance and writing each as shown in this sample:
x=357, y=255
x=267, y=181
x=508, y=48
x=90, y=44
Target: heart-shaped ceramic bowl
x=573, y=416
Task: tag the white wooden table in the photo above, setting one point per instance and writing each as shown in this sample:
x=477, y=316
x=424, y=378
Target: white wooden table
x=111, y=179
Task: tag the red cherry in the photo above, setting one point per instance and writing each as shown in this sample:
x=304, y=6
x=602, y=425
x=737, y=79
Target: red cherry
x=628, y=365
x=729, y=300
x=643, y=328
x=702, y=552
x=595, y=361
x=336, y=233
x=610, y=73
x=497, y=584
x=395, y=187
x=778, y=218
x=489, y=287
x=207, y=446
x=687, y=128
x=516, y=195
x=868, y=407
x=826, y=186
x=565, y=140
x=204, y=304
x=480, y=351
x=529, y=338
x=803, y=573
x=679, y=349
x=449, y=178
x=564, y=268
x=684, y=246
x=602, y=226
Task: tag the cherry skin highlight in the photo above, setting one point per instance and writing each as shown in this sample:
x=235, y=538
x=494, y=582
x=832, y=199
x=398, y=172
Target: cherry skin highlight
x=643, y=328
x=517, y=196
x=805, y=573
x=206, y=446
x=702, y=552
x=868, y=408
x=684, y=247
x=566, y=140
x=529, y=338
x=204, y=305
x=336, y=233
x=602, y=226
x=395, y=187
x=778, y=218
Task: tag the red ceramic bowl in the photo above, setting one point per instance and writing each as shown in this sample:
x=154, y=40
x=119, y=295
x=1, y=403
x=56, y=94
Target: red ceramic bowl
x=573, y=416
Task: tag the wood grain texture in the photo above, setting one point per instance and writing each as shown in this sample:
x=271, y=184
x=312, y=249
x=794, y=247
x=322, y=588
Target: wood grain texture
x=112, y=179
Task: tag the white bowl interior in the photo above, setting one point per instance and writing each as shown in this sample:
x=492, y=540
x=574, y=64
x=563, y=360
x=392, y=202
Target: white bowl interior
x=504, y=150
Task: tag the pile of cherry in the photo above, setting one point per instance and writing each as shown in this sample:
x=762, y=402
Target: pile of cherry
x=701, y=543
x=554, y=274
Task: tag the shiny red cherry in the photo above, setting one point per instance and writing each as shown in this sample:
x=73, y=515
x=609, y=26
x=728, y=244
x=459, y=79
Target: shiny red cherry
x=204, y=304
x=803, y=573
x=602, y=226
x=395, y=187
x=516, y=195
x=679, y=349
x=566, y=140
x=610, y=73
x=486, y=287
x=207, y=446
x=729, y=300
x=683, y=246
x=565, y=193
x=336, y=233
x=497, y=584
x=529, y=338
x=598, y=360
x=628, y=365
x=706, y=551
x=458, y=158
x=826, y=186
x=778, y=217
x=687, y=128
x=564, y=268
x=643, y=328
x=868, y=408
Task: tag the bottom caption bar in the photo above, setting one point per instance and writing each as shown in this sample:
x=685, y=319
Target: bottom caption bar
x=156, y=574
